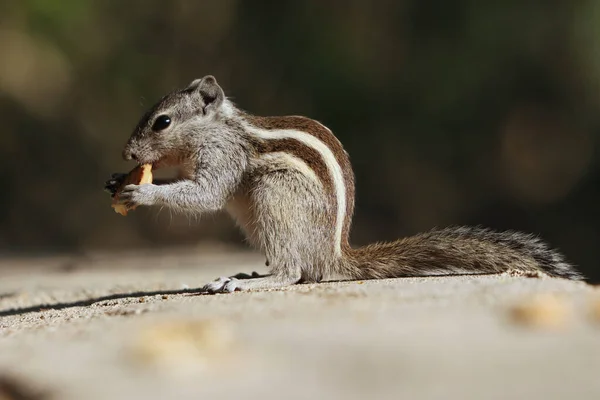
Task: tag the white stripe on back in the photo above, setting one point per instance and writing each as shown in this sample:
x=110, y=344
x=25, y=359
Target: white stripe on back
x=291, y=161
x=330, y=161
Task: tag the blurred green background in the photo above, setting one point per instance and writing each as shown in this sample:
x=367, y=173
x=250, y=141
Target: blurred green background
x=453, y=111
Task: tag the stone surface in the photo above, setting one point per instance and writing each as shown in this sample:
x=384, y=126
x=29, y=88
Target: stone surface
x=131, y=326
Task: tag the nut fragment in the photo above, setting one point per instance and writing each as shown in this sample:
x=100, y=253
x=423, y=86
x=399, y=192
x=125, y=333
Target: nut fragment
x=139, y=175
x=542, y=311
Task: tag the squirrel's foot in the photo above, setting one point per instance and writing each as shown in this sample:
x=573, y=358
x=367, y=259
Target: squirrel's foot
x=230, y=284
x=221, y=285
x=256, y=282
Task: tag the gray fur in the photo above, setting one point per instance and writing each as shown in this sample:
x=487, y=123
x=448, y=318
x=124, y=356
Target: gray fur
x=285, y=212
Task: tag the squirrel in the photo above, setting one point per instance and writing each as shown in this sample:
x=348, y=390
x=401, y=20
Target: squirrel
x=288, y=183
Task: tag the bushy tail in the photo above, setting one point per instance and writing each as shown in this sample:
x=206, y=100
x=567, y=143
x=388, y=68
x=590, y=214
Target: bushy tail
x=457, y=251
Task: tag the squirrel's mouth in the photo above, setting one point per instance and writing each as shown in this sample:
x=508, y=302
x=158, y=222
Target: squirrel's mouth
x=163, y=162
x=155, y=164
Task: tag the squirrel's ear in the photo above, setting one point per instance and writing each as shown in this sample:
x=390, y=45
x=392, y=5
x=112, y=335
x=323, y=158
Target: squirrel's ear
x=211, y=93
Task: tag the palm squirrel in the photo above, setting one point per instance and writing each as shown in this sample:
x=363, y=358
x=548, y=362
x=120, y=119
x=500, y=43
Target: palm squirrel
x=288, y=183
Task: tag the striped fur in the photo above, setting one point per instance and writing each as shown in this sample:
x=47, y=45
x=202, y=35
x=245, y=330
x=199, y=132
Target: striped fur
x=288, y=183
x=334, y=169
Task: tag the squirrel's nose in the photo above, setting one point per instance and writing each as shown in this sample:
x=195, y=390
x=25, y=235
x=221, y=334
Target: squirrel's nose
x=129, y=155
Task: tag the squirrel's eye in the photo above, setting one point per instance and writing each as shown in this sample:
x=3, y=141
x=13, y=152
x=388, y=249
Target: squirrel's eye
x=162, y=122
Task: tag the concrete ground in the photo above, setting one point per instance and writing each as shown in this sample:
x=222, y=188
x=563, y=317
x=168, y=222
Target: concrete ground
x=131, y=326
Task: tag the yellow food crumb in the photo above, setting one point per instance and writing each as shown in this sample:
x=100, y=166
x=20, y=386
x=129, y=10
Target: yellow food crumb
x=544, y=311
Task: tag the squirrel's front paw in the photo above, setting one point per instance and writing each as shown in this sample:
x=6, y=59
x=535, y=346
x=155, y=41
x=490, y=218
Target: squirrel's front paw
x=113, y=184
x=138, y=195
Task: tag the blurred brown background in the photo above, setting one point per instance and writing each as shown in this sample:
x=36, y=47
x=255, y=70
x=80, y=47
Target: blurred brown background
x=453, y=111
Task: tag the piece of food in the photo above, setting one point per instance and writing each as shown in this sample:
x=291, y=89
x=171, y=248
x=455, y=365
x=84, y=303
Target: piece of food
x=542, y=311
x=139, y=175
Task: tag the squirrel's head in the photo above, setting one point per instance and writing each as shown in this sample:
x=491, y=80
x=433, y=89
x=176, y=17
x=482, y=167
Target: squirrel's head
x=167, y=129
